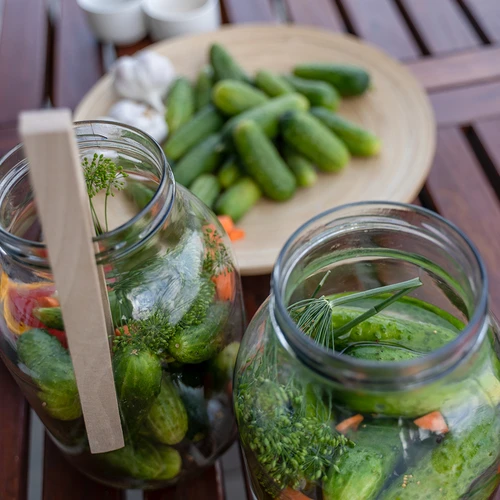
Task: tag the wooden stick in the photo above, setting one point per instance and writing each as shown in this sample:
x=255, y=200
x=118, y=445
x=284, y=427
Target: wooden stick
x=63, y=208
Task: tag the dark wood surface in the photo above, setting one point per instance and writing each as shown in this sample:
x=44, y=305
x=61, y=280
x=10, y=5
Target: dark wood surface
x=453, y=48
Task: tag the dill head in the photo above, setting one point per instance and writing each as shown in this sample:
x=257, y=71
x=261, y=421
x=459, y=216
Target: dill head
x=102, y=174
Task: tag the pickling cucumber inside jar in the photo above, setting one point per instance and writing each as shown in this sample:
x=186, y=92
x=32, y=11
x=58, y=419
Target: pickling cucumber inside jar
x=176, y=305
x=372, y=371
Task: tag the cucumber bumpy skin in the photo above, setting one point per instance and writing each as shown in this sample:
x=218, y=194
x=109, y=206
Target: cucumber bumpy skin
x=359, y=142
x=238, y=199
x=207, y=121
x=207, y=188
x=302, y=168
x=225, y=66
x=263, y=162
x=272, y=84
x=317, y=93
x=229, y=173
x=348, y=80
x=314, y=140
x=180, y=104
x=49, y=365
x=203, y=87
x=233, y=97
x=202, y=159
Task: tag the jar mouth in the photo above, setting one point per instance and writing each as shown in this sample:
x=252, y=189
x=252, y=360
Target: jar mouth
x=350, y=370
x=110, y=242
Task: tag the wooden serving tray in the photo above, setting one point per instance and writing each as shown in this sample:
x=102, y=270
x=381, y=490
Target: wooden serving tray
x=396, y=108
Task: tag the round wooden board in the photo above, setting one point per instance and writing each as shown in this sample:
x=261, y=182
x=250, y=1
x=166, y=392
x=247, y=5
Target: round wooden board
x=397, y=109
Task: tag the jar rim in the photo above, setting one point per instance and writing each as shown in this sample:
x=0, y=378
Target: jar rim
x=166, y=176
x=328, y=362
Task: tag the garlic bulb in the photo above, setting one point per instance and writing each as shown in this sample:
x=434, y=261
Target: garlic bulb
x=140, y=116
x=144, y=77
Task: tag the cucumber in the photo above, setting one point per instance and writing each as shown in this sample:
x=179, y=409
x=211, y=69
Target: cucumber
x=225, y=67
x=318, y=93
x=144, y=460
x=201, y=342
x=302, y=168
x=348, y=80
x=229, y=173
x=314, y=140
x=272, y=84
x=263, y=162
x=203, y=88
x=450, y=468
x=206, y=122
x=167, y=420
x=138, y=374
x=121, y=312
x=140, y=194
x=238, y=199
x=232, y=97
x=207, y=188
x=365, y=468
x=180, y=104
x=359, y=142
x=49, y=365
x=267, y=115
x=202, y=159
x=381, y=352
x=222, y=366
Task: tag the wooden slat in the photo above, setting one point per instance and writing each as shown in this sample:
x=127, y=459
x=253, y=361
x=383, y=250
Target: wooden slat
x=23, y=37
x=321, y=13
x=61, y=481
x=442, y=25
x=463, y=68
x=488, y=132
x=461, y=192
x=14, y=439
x=380, y=22
x=77, y=62
x=249, y=11
x=487, y=14
x=464, y=105
x=210, y=485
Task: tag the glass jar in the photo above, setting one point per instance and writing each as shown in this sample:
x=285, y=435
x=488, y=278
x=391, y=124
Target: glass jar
x=406, y=404
x=176, y=302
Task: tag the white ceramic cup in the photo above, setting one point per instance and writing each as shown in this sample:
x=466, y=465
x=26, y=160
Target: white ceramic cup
x=168, y=18
x=121, y=22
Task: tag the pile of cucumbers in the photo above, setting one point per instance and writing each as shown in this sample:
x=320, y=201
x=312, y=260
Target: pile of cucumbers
x=234, y=139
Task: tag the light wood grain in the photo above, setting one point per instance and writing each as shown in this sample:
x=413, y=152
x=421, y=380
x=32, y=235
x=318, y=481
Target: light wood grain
x=397, y=109
x=64, y=211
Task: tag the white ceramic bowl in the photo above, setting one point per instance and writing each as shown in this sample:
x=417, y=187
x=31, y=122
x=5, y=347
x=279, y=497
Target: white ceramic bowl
x=168, y=18
x=121, y=22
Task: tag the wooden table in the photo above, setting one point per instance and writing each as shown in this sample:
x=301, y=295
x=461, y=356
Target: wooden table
x=48, y=55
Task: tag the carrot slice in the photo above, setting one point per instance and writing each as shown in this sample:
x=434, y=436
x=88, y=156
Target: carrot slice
x=237, y=234
x=290, y=494
x=48, y=302
x=224, y=284
x=123, y=330
x=434, y=422
x=350, y=424
x=227, y=223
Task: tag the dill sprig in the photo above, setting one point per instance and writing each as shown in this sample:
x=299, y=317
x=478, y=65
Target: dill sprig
x=102, y=174
x=217, y=259
x=314, y=315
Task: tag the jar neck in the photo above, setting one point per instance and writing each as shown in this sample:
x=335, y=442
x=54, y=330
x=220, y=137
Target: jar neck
x=132, y=149
x=366, y=245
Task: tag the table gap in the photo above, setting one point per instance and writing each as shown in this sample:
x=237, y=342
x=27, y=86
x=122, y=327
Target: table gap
x=412, y=28
x=345, y=17
x=483, y=157
x=474, y=22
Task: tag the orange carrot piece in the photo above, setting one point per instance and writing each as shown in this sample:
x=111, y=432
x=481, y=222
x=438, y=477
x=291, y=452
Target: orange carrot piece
x=290, y=494
x=434, y=422
x=227, y=223
x=349, y=424
x=48, y=302
x=123, y=330
x=237, y=234
x=224, y=284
